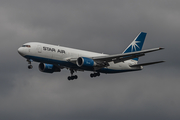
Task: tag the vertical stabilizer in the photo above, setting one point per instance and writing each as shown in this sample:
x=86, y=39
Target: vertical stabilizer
x=136, y=44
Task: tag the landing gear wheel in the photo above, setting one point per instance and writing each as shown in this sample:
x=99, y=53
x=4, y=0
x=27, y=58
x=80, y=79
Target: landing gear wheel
x=75, y=77
x=30, y=66
x=91, y=75
x=98, y=74
x=94, y=74
x=72, y=77
x=69, y=78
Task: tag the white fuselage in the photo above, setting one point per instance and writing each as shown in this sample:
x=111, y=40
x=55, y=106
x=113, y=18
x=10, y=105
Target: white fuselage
x=53, y=54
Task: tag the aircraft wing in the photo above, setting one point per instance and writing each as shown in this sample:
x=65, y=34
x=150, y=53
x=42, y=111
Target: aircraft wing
x=123, y=57
x=103, y=60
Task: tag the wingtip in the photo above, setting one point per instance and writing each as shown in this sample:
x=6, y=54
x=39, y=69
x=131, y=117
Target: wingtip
x=161, y=48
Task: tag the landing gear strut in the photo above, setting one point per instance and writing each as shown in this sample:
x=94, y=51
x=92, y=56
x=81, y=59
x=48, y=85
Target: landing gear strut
x=72, y=77
x=94, y=74
x=29, y=62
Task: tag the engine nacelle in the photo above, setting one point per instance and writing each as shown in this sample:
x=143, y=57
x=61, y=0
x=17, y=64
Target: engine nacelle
x=48, y=68
x=85, y=62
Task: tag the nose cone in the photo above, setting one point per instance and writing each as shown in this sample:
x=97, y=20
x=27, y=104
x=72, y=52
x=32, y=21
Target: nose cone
x=20, y=51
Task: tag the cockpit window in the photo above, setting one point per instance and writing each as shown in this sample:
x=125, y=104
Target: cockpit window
x=26, y=46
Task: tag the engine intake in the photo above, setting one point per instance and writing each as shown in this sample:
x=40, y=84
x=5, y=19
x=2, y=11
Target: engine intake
x=85, y=62
x=48, y=68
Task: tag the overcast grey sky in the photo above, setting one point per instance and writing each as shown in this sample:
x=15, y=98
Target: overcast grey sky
x=106, y=26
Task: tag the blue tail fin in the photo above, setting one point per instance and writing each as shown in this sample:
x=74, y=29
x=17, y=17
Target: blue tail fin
x=136, y=44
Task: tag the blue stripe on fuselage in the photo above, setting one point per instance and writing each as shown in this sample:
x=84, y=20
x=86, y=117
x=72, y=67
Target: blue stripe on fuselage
x=51, y=61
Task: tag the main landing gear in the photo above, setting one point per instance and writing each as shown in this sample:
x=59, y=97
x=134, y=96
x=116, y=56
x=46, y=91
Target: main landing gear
x=72, y=77
x=29, y=62
x=94, y=74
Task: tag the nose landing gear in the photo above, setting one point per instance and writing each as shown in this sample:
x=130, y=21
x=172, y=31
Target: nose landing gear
x=29, y=62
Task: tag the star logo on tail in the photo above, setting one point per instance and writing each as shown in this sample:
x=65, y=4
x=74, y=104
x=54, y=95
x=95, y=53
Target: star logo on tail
x=134, y=45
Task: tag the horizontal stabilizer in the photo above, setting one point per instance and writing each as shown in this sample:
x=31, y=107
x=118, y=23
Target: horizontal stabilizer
x=144, y=64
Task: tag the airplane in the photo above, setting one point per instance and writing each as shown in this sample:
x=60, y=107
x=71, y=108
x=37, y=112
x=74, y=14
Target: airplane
x=54, y=58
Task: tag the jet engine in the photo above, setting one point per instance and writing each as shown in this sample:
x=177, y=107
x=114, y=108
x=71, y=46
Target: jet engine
x=85, y=62
x=48, y=68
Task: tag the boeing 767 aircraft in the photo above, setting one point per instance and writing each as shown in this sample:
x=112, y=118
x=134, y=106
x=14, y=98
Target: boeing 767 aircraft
x=53, y=58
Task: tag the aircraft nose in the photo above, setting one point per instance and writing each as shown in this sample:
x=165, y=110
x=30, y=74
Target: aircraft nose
x=20, y=51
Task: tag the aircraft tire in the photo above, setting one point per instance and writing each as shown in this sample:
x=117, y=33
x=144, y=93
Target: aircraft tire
x=30, y=66
x=75, y=77
x=98, y=74
x=69, y=78
x=91, y=75
x=72, y=77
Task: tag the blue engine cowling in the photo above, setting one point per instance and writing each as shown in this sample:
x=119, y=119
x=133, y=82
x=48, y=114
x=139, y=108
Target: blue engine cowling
x=48, y=68
x=85, y=62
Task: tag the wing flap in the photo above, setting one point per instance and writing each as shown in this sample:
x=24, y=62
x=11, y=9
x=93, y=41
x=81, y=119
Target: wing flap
x=122, y=59
x=145, y=64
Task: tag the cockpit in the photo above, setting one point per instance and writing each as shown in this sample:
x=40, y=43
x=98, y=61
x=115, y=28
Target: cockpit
x=26, y=46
